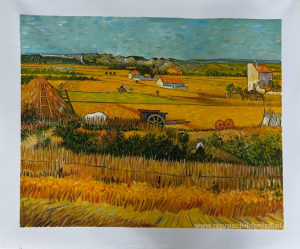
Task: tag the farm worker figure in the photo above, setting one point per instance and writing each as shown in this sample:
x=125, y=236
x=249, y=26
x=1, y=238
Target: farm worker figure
x=157, y=93
x=121, y=86
x=61, y=85
x=220, y=139
x=199, y=154
x=199, y=144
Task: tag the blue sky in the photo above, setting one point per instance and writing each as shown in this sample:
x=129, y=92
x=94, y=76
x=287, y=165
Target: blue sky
x=152, y=37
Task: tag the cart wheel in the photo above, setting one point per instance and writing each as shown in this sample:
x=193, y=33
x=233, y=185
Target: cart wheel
x=253, y=97
x=229, y=124
x=155, y=119
x=219, y=124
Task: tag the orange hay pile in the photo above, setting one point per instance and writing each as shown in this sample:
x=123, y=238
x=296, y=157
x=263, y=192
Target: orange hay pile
x=31, y=95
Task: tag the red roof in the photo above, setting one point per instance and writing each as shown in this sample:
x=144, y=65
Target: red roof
x=135, y=72
x=262, y=68
x=172, y=80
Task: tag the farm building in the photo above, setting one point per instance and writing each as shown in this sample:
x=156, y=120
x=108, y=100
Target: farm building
x=171, y=83
x=259, y=77
x=41, y=94
x=134, y=75
x=174, y=70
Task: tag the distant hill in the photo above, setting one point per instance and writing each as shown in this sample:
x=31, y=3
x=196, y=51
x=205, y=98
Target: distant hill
x=36, y=58
x=157, y=65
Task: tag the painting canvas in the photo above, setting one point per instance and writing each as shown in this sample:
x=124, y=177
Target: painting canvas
x=151, y=122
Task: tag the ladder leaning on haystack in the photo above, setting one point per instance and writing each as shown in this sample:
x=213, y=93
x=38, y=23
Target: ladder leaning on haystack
x=44, y=103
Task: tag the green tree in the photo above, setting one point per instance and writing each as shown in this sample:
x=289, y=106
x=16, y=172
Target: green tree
x=238, y=90
x=275, y=84
x=230, y=88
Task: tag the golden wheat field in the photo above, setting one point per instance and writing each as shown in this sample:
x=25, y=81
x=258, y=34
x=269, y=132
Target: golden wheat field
x=203, y=116
x=107, y=83
x=206, y=116
x=144, y=197
x=51, y=213
x=196, y=84
x=198, y=114
x=64, y=187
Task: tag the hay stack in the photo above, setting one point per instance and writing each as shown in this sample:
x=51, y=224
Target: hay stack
x=31, y=94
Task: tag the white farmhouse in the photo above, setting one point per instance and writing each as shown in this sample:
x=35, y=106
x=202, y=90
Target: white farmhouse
x=171, y=83
x=259, y=77
x=134, y=75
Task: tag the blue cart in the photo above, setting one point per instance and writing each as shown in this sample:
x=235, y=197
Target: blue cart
x=156, y=117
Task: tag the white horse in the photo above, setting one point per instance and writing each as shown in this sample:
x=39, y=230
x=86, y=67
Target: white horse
x=95, y=118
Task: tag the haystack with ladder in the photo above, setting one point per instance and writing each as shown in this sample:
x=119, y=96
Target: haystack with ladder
x=49, y=103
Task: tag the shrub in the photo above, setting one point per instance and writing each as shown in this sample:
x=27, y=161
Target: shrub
x=238, y=90
x=275, y=84
x=230, y=88
x=43, y=140
x=171, y=145
x=254, y=150
x=75, y=140
x=29, y=113
x=33, y=129
x=26, y=78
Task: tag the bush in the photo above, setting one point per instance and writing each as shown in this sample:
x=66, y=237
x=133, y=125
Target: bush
x=78, y=142
x=238, y=90
x=29, y=113
x=254, y=150
x=33, y=129
x=26, y=78
x=43, y=140
x=171, y=146
x=92, y=127
x=275, y=84
x=230, y=88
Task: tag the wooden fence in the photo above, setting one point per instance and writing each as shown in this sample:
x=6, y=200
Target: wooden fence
x=58, y=162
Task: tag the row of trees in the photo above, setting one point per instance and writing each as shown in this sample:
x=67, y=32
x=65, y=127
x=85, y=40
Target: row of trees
x=110, y=73
x=49, y=71
x=222, y=74
x=26, y=78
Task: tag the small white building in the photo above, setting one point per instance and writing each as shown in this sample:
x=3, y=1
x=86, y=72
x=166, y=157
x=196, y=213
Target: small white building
x=134, y=75
x=259, y=77
x=171, y=83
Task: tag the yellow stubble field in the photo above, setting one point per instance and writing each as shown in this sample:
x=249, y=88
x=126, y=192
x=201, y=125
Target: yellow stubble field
x=195, y=84
x=108, y=83
x=206, y=116
x=203, y=116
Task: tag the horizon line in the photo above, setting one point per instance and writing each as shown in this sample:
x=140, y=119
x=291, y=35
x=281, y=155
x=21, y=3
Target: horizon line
x=214, y=59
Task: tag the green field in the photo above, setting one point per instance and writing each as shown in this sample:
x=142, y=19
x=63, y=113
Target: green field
x=127, y=98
